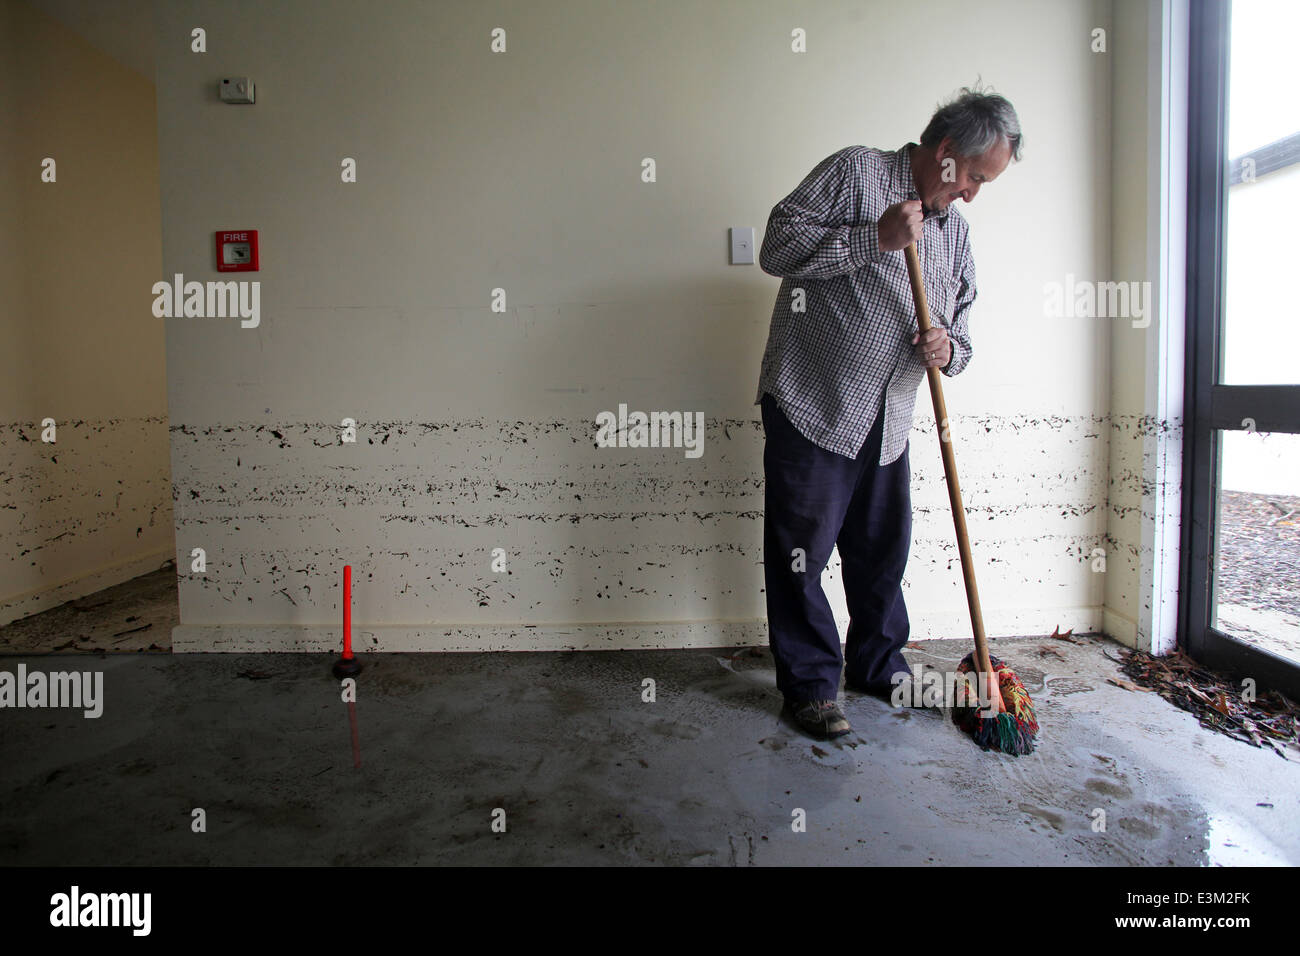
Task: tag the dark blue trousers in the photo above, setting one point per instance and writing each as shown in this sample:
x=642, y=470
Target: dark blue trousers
x=815, y=499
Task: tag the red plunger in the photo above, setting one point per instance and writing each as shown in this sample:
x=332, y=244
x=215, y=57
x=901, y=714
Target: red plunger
x=347, y=665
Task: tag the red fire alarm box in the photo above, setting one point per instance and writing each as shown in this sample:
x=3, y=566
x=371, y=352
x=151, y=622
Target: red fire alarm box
x=237, y=251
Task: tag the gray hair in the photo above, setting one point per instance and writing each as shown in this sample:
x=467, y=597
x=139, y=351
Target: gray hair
x=976, y=121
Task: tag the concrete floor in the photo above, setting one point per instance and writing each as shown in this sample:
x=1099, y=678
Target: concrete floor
x=589, y=774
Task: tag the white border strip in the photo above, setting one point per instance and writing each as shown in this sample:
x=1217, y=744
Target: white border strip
x=1162, y=452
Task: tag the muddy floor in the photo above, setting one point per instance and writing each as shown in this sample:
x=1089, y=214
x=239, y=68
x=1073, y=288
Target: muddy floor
x=562, y=750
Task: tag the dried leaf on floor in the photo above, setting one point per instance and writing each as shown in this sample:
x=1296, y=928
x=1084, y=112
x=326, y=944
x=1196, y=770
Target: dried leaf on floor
x=1218, y=702
x=1064, y=635
x=1126, y=684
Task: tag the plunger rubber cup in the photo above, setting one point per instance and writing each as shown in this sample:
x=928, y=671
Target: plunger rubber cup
x=347, y=667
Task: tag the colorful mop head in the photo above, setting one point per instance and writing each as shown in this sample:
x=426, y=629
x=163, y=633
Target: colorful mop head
x=1012, y=731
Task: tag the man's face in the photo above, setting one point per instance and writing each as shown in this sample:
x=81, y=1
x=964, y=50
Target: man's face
x=964, y=175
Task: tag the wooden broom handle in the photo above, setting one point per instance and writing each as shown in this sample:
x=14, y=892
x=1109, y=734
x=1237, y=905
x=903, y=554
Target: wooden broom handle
x=950, y=468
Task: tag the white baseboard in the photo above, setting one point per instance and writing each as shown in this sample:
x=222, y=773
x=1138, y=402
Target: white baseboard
x=629, y=635
x=1119, y=627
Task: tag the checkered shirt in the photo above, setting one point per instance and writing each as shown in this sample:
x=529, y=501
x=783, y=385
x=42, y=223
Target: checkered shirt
x=840, y=342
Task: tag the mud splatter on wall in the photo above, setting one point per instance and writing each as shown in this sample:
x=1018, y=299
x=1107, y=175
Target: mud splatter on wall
x=91, y=506
x=592, y=536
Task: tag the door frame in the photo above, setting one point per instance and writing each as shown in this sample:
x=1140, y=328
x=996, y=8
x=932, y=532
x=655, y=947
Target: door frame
x=1211, y=407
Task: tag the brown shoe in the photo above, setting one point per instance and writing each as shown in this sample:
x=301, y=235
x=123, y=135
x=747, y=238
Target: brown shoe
x=821, y=718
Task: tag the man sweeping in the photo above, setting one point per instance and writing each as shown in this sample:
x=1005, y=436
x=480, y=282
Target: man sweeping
x=838, y=385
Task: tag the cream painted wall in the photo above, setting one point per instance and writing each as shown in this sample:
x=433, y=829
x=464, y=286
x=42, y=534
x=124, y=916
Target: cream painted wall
x=521, y=171
x=1149, y=235
x=1128, y=345
x=77, y=341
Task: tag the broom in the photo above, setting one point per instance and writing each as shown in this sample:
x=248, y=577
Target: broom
x=1008, y=724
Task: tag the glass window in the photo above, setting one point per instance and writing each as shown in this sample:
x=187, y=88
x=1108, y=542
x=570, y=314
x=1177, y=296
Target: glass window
x=1257, y=564
x=1261, y=251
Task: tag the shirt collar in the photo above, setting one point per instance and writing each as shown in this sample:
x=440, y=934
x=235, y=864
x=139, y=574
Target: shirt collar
x=905, y=186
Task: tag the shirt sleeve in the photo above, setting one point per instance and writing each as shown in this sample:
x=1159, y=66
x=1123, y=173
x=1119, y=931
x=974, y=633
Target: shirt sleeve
x=959, y=329
x=812, y=232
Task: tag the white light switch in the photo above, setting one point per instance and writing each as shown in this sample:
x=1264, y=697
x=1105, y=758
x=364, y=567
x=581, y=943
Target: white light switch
x=742, y=245
x=237, y=89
